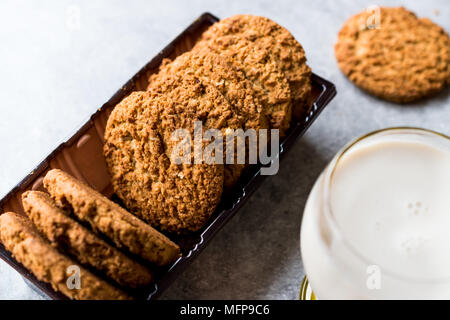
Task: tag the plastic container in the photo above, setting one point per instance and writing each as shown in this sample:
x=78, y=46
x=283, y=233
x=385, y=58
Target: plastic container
x=82, y=156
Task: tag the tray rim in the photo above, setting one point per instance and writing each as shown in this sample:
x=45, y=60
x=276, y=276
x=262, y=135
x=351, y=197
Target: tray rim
x=327, y=93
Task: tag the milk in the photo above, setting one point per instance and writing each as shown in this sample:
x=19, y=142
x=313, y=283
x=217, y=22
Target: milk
x=377, y=222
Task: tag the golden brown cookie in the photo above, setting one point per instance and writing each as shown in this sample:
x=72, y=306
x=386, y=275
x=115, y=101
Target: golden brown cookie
x=68, y=235
x=138, y=151
x=109, y=219
x=19, y=236
x=258, y=65
x=216, y=70
x=403, y=60
x=284, y=50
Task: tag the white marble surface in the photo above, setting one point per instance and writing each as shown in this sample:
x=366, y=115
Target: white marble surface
x=56, y=69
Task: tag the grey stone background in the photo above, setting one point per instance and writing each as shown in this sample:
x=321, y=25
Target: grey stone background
x=56, y=70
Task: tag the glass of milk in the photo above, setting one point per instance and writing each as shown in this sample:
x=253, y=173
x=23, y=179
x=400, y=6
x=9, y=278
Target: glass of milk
x=377, y=221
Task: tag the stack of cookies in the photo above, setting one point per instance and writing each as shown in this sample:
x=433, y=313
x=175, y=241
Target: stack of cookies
x=80, y=242
x=245, y=72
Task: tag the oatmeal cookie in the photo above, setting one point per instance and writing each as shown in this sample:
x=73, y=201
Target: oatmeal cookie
x=109, y=219
x=284, y=49
x=257, y=64
x=403, y=60
x=68, y=235
x=176, y=197
x=217, y=71
x=19, y=236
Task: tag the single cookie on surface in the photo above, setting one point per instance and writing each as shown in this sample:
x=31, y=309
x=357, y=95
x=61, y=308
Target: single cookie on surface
x=19, y=236
x=109, y=219
x=285, y=51
x=68, y=235
x=139, y=148
x=216, y=70
x=402, y=59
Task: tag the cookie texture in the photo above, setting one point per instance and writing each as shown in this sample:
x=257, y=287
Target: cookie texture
x=109, y=219
x=69, y=236
x=258, y=65
x=176, y=196
x=216, y=70
x=405, y=59
x=284, y=50
x=26, y=245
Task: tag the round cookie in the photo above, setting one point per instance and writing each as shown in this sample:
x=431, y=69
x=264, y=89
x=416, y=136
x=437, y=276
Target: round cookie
x=19, y=236
x=258, y=65
x=285, y=51
x=138, y=151
x=109, y=219
x=403, y=60
x=217, y=71
x=70, y=236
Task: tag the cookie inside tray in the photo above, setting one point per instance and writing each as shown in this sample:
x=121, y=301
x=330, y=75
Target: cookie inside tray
x=82, y=157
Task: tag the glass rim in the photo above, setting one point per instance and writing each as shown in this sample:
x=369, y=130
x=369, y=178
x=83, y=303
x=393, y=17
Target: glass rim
x=328, y=177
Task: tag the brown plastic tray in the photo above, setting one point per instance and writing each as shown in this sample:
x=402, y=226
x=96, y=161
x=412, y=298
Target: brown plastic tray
x=82, y=156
